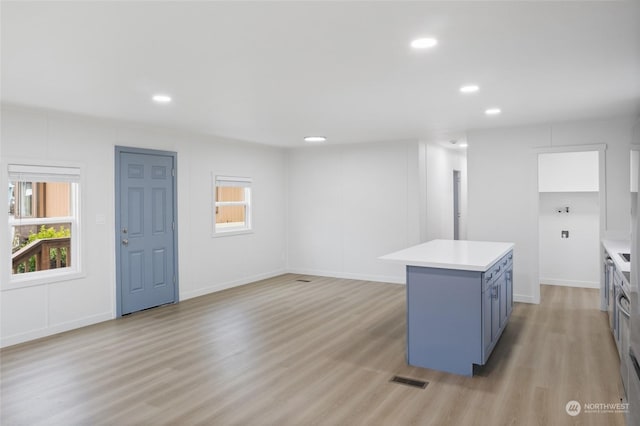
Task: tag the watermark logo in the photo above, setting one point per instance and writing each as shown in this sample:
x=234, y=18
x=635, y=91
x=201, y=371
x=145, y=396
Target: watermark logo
x=573, y=408
x=611, y=407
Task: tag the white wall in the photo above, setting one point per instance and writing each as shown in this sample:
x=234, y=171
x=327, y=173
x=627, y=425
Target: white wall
x=349, y=204
x=635, y=168
x=206, y=264
x=503, y=195
x=440, y=163
x=573, y=261
x=329, y=210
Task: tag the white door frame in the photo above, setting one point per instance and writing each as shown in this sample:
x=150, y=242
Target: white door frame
x=602, y=184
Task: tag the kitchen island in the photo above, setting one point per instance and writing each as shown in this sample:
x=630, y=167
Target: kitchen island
x=459, y=300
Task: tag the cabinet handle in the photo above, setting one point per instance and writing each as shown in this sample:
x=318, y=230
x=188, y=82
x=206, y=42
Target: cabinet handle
x=620, y=307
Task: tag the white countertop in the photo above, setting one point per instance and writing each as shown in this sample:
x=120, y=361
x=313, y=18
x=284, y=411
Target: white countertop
x=614, y=247
x=451, y=254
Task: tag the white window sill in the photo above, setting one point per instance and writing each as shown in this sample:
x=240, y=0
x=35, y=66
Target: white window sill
x=31, y=279
x=231, y=233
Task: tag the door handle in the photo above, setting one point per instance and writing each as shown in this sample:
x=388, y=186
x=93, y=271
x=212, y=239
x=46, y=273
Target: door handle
x=125, y=242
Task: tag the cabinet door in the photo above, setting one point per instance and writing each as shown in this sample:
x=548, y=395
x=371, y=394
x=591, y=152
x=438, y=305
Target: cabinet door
x=487, y=300
x=502, y=298
x=495, y=310
x=509, y=275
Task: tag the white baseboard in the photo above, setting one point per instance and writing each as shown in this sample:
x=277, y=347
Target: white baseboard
x=570, y=283
x=349, y=276
x=55, y=329
x=523, y=298
x=229, y=284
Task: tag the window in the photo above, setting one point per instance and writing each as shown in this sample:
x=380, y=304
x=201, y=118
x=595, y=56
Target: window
x=43, y=221
x=232, y=199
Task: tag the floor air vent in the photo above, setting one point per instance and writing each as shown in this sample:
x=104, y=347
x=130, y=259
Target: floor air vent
x=304, y=281
x=409, y=382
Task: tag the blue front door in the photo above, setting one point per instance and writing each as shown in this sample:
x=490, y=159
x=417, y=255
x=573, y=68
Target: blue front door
x=145, y=229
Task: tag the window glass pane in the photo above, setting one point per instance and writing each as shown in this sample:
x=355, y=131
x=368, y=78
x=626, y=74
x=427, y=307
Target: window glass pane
x=25, y=195
x=38, y=247
x=230, y=216
x=229, y=193
x=39, y=199
x=39, y=242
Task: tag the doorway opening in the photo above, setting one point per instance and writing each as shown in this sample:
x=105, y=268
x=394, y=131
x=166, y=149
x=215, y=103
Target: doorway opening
x=570, y=217
x=456, y=204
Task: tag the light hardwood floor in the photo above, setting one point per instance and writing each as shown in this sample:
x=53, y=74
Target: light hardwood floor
x=283, y=352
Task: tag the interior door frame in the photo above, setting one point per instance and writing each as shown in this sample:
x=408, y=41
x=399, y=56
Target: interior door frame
x=145, y=151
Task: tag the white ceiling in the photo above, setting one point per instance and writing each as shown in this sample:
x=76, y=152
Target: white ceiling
x=274, y=72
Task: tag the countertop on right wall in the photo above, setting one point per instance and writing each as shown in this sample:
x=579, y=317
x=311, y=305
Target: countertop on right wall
x=615, y=248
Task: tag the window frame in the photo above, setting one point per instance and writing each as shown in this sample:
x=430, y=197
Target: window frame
x=67, y=172
x=237, y=181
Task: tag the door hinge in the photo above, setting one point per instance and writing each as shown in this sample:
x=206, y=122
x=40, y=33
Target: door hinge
x=173, y=226
x=173, y=172
x=174, y=279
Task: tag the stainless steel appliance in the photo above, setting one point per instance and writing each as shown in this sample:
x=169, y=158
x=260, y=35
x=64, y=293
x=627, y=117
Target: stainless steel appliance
x=633, y=391
x=622, y=336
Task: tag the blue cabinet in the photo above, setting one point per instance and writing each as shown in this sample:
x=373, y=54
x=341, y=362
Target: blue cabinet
x=495, y=315
x=509, y=278
x=487, y=329
x=455, y=317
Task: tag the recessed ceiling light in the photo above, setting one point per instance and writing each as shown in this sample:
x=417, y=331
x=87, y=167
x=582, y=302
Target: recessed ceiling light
x=315, y=139
x=493, y=111
x=161, y=99
x=470, y=88
x=423, y=43
x=463, y=145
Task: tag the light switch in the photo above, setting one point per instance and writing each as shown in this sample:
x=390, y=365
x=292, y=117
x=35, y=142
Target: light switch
x=564, y=234
x=101, y=219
